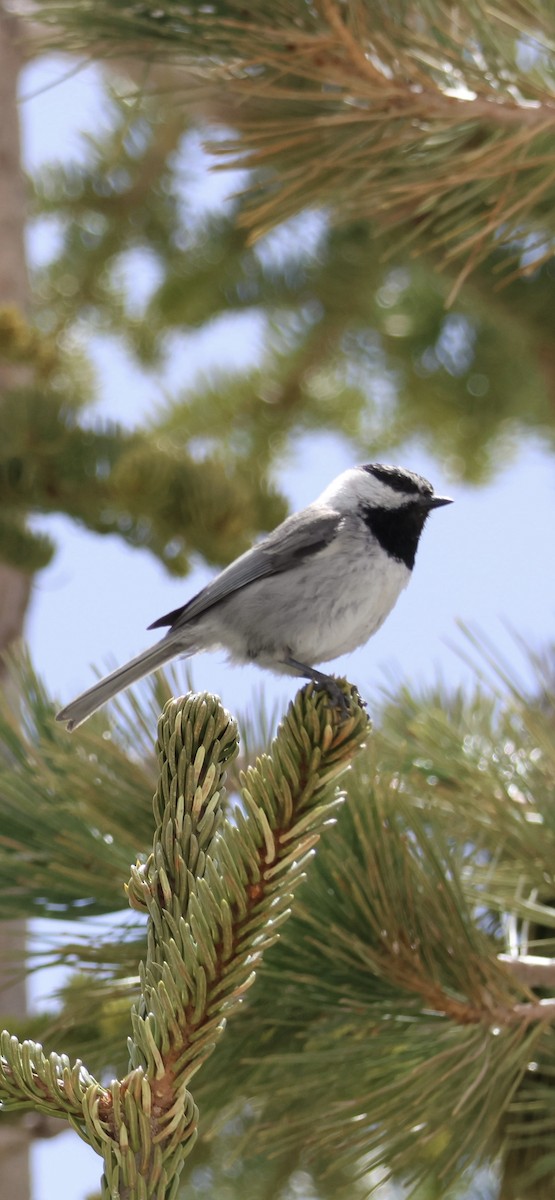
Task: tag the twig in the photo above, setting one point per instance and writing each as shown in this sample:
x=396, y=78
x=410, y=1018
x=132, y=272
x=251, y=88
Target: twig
x=530, y=969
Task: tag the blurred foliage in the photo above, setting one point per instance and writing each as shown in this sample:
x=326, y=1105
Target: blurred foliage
x=383, y=1034
x=355, y=338
x=54, y=457
x=346, y=333
x=433, y=119
x=140, y=487
x=363, y=345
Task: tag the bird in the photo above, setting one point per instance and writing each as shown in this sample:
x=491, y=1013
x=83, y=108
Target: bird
x=319, y=586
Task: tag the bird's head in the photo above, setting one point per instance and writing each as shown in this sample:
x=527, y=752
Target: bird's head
x=374, y=485
x=392, y=503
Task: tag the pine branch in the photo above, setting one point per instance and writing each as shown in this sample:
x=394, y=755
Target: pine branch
x=216, y=893
x=385, y=1019
x=424, y=118
x=531, y=969
x=401, y=1039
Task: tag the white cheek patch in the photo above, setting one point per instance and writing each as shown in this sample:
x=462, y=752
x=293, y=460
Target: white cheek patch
x=357, y=486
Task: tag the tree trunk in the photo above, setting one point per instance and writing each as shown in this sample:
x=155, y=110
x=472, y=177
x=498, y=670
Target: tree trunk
x=15, y=585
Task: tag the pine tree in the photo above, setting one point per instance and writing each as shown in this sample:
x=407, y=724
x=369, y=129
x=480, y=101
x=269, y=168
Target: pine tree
x=412, y=147
x=402, y=1024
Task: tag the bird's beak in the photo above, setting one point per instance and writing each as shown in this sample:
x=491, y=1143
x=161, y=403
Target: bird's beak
x=437, y=501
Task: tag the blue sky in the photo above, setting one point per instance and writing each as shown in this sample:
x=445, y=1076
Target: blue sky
x=482, y=560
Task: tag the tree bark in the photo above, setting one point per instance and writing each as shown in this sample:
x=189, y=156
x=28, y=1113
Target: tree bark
x=15, y=585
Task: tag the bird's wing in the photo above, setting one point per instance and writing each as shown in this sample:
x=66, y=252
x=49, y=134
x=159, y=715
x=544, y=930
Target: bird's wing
x=299, y=536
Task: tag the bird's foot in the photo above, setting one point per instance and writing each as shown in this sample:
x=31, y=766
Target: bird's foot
x=329, y=684
x=335, y=693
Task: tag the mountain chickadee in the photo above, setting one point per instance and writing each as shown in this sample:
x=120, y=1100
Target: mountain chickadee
x=318, y=586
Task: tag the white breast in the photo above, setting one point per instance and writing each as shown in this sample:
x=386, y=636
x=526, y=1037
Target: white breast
x=350, y=606
x=327, y=606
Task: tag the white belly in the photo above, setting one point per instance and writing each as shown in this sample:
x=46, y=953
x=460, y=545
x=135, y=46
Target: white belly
x=345, y=617
x=313, y=613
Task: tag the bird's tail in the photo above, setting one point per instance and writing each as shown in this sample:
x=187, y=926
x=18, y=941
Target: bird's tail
x=84, y=705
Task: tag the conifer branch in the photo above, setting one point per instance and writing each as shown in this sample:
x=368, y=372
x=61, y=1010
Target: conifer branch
x=466, y=1012
x=426, y=118
x=531, y=969
x=216, y=893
